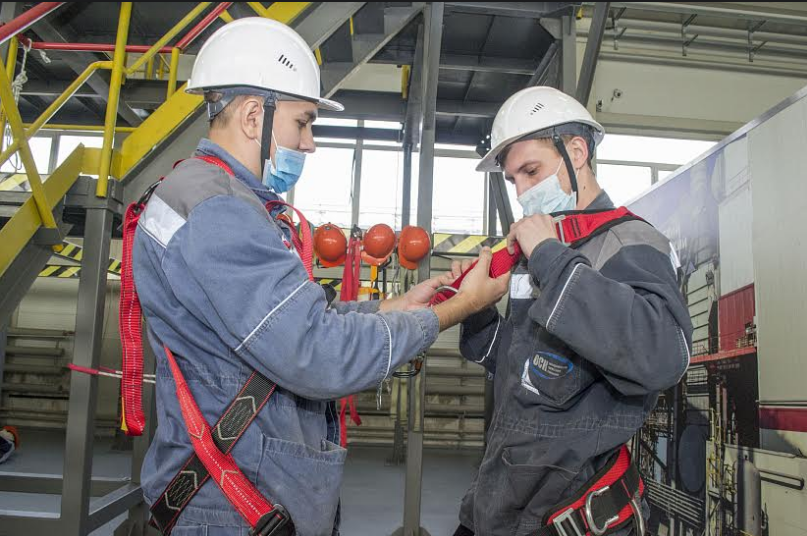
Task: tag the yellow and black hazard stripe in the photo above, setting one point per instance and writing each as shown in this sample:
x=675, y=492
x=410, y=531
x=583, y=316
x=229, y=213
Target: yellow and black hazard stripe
x=335, y=283
x=74, y=252
x=458, y=244
x=62, y=272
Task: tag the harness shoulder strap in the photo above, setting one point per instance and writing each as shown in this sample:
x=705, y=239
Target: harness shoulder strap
x=577, y=228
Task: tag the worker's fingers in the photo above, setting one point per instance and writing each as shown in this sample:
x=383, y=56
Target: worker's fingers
x=457, y=268
x=485, y=257
x=511, y=238
x=466, y=264
x=446, y=279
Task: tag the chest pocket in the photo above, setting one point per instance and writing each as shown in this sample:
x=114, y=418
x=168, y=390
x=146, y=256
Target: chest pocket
x=551, y=373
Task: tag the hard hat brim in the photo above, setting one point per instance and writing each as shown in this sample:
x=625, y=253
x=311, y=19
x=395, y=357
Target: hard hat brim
x=490, y=162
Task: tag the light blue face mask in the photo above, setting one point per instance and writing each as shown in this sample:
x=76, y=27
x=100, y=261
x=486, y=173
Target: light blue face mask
x=281, y=175
x=547, y=197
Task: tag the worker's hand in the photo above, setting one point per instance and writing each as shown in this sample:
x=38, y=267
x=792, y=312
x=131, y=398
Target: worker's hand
x=478, y=289
x=459, y=267
x=530, y=232
x=419, y=296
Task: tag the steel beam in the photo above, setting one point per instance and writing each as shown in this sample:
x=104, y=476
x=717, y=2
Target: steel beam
x=355, y=201
x=318, y=26
x=78, y=61
x=24, y=269
x=567, y=77
x=461, y=62
x=540, y=75
x=414, y=110
x=433, y=36
x=591, y=56
x=52, y=484
x=533, y=10
x=75, y=507
x=502, y=201
x=719, y=9
x=107, y=508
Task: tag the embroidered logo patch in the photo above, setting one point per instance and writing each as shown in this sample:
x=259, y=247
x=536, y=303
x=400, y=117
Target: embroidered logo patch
x=550, y=366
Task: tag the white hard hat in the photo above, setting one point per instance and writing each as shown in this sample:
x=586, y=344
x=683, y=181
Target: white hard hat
x=531, y=110
x=259, y=53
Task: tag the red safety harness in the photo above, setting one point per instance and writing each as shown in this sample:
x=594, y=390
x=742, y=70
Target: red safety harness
x=573, y=229
x=211, y=445
x=350, y=292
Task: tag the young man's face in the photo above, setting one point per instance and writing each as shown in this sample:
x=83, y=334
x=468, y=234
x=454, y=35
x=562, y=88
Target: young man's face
x=530, y=162
x=292, y=125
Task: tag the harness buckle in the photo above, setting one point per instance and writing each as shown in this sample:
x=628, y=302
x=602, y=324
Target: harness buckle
x=592, y=524
x=567, y=516
x=557, y=221
x=273, y=523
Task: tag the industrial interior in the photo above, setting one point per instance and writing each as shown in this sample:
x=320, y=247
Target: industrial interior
x=704, y=108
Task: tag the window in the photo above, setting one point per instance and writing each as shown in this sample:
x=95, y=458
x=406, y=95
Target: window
x=623, y=183
x=625, y=164
x=335, y=122
x=381, y=188
x=40, y=148
x=393, y=125
x=324, y=191
x=67, y=144
x=651, y=149
x=458, y=200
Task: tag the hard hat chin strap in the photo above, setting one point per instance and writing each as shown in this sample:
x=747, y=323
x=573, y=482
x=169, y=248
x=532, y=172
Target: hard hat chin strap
x=269, y=106
x=561, y=147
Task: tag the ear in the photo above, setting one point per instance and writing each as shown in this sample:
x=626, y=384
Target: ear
x=578, y=152
x=251, y=117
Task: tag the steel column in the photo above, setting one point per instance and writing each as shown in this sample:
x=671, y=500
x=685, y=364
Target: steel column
x=433, y=33
x=355, y=201
x=591, y=56
x=412, y=118
x=406, y=194
x=568, y=54
x=75, y=513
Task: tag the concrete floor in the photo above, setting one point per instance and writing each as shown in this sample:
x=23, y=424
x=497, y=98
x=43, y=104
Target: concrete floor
x=372, y=493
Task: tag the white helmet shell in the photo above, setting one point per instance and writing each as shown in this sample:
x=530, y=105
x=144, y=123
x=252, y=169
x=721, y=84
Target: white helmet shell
x=259, y=53
x=532, y=110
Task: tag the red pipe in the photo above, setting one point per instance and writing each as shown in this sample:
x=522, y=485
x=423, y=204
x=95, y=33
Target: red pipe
x=92, y=47
x=26, y=20
x=202, y=25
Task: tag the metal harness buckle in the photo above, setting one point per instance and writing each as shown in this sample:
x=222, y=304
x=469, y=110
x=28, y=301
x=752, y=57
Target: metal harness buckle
x=273, y=523
x=592, y=524
x=557, y=221
x=567, y=516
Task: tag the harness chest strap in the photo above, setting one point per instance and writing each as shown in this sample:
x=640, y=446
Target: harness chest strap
x=572, y=229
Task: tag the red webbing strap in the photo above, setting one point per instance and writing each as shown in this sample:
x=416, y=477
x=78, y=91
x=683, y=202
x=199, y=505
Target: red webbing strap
x=241, y=493
x=575, y=227
x=218, y=162
x=571, y=229
x=133, y=420
x=613, y=476
x=307, y=243
x=501, y=263
x=351, y=280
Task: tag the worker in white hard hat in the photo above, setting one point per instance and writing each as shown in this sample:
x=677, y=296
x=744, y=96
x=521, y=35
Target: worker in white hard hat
x=238, y=324
x=597, y=327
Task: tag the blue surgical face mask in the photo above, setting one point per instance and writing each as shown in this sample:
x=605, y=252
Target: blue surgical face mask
x=547, y=197
x=283, y=173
